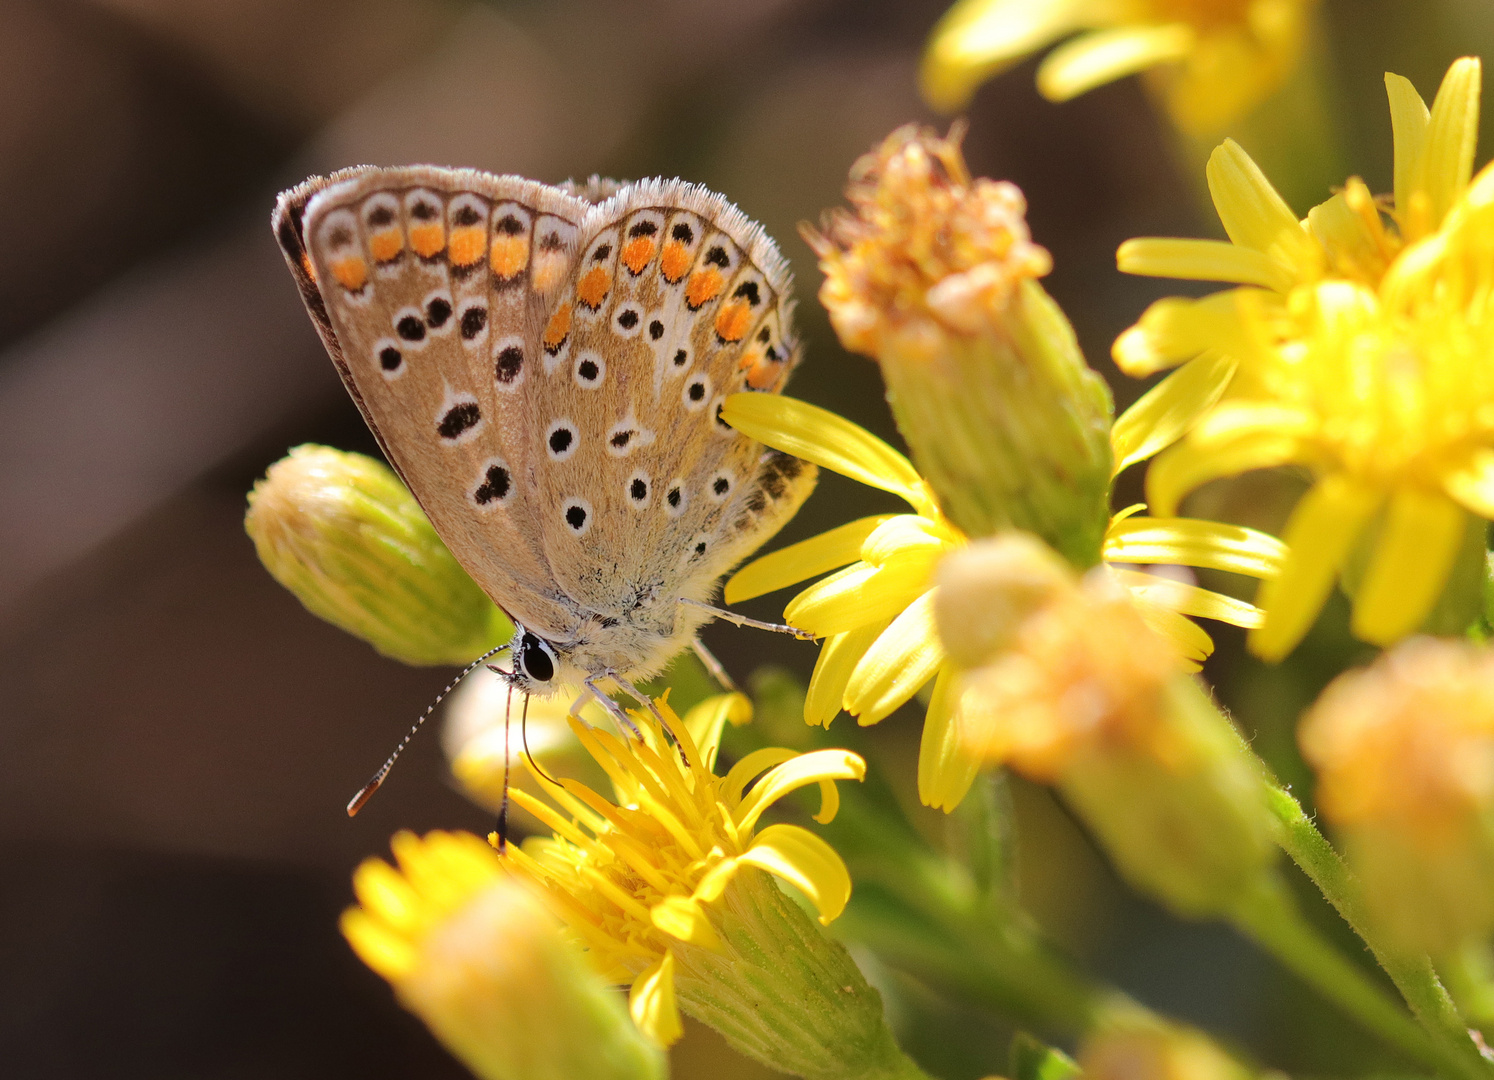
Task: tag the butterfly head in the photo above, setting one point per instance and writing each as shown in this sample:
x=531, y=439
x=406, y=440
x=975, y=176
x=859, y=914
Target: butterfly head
x=535, y=663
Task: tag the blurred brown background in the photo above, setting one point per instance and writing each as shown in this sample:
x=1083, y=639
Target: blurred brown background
x=177, y=736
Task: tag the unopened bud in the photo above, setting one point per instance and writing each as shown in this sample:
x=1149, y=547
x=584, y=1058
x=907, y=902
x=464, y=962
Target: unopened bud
x=343, y=534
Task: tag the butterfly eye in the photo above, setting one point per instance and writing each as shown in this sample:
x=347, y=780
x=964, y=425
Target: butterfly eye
x=536, y=658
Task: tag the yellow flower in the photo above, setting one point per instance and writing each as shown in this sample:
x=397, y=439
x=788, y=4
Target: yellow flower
x=486, y=967
x=1404, y=751
x=663, y=886
x=877, y=610
x=1355, y=347
x=1211, y=61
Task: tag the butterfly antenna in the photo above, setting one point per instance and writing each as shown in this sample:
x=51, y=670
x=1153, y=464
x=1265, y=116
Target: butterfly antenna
x=366, y=792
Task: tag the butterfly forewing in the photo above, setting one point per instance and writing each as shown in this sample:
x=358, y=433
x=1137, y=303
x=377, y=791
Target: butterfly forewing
x=545, y=368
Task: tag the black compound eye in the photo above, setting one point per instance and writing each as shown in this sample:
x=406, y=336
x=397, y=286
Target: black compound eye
x=536, y=659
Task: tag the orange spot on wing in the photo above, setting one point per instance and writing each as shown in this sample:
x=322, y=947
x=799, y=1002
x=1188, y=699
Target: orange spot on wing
x=466, y=244
x=675, y=261
x=306, y=265
x=508, y=255
x=704, y=287
x=427, y=239
x=385, y=244
x=558, y=329
x=733, y=320
x=762, y=375
x=593, y=287
x=547, y=272
x=637, y=252
x=351, y=273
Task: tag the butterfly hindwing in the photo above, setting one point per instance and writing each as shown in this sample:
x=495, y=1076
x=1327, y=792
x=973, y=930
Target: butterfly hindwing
x=650, y=493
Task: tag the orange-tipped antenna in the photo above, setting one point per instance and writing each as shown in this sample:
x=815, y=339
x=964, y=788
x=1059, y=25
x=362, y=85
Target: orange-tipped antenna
x=366, y=792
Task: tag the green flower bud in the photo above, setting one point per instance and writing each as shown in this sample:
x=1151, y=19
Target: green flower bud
x=934, y=276
x=343, y=534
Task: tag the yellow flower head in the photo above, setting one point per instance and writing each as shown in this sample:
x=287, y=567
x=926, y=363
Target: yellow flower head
x=1210, y=61
x=658, y=881
x=876, y=610
x=1404, y=751
x=925, y=242
x=472, y=953
x=1357, y=347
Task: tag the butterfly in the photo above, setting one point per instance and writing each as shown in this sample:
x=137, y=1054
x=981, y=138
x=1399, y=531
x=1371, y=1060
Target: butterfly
x=544, y=367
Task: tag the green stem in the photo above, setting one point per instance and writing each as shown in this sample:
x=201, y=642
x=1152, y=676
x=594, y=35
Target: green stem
x=1413, y=975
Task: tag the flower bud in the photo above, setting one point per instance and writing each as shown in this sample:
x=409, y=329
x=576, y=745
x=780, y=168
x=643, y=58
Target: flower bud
x=1404, y=751
x=1086, y=696
x=1151, y=1050
x=934, y=276
x=488, y=731
x=487, y=968
x=343, y=534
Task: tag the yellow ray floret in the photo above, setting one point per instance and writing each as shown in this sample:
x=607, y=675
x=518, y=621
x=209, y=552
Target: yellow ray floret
x=638, y=877
x=875, y=607
x=1210, y=61
x=1356, y=345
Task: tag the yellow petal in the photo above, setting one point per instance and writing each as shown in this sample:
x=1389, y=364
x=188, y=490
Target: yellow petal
x=1175, y=329
x=1473, y=485
x=652, y=1005
x=1413, y=556
x=839, y=656
x=1202, y=260
x=390, y=954
x=901, y=533
x=1190, y=465
x=1452, y=134
x=861, y=594
x=1408, y=124
x=745, y=770
x=1188, y=599
x=1192, y=642
x=975, y=39
x=906, y=656
x=1194, y=542
x=706, y=720
x=1103, y=56
x=946, y=766
x=715, y=881
x=824, y=438
x=1163, y=415
x=805, y=769
x=1319, y=534
x=802, y=561
x=806, y=862
x=385, y=894
x=682, y=917
x=1252, y=212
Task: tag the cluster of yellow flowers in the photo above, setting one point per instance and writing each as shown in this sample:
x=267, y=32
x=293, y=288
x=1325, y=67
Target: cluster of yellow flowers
x=1045, y=629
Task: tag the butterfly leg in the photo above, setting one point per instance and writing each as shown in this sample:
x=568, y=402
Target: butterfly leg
x=742, y=620
x=638, y=696
x=614, y=710
x=718, y=672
